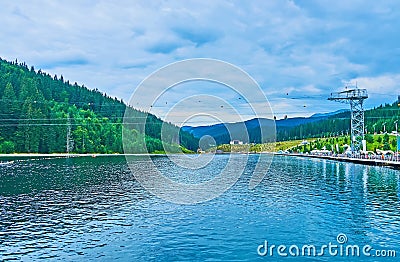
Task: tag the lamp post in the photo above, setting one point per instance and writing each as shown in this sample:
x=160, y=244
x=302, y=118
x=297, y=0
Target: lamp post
x=384, y=128
x=397, y=139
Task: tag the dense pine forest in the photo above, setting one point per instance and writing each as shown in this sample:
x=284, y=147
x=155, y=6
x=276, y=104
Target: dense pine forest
x=377, y=120
x=40, y=113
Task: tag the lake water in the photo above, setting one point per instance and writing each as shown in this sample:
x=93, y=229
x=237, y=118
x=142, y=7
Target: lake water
x=93, y=209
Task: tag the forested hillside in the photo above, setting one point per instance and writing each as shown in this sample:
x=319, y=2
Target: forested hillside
x=377, y=120
x=38, y=112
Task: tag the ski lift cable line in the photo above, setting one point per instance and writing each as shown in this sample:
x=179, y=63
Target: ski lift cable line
x=145, y=117
x=112, y=123
x=91, y=124
x=314, y=107
x=118, y=103
x=64, y=119
x=109, y=104
x=300, y=111
x=77, y=124
x=232, y=102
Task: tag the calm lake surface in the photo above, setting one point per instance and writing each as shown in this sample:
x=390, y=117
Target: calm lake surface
x=93, y=209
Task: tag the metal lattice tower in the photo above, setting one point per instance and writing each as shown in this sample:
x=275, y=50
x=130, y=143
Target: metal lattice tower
x=70, y=141
x=355, y=97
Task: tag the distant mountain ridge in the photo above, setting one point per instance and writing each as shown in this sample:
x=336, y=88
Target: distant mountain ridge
x=254, y=127
x=331, y=113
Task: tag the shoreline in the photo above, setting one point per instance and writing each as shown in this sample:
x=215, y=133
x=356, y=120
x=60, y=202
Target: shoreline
x=370, y=162
x=24, y=156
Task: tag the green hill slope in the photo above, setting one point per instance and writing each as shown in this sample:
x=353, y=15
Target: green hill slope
x=39, y=112
x=376, y=120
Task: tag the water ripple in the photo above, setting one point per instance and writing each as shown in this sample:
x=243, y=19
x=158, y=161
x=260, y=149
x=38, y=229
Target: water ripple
x=91, y=209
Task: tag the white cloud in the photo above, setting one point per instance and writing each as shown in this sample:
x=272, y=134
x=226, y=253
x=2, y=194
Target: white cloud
x=384, y=84
x=381, y=89
x=296, y=47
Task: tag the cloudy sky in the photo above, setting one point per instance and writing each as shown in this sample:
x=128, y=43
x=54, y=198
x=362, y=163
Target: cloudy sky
x=298, y=51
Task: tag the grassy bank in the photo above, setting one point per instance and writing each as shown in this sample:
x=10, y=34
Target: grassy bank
x=374, y=142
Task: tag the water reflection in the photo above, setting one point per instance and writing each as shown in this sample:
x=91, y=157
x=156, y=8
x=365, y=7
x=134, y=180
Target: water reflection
x=365, y=181
x=360, y=199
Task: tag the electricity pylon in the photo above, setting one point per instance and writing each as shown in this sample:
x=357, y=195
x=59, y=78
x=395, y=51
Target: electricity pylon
x=355, y=97
x=70, y=141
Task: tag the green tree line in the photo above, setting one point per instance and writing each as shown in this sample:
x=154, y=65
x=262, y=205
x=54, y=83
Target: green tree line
x=377, y=120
